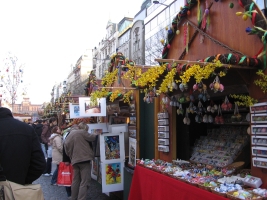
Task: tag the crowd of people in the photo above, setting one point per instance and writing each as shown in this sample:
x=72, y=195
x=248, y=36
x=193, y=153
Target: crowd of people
x=42, y=143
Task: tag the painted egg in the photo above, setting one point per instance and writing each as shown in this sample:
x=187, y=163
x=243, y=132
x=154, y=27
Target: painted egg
x=215, y=107
x=211, y=86
x=181, y=86
x=263, y=130
x=195, y=87
x=207, y=11
x=216, y=86
x=221, y=87
x=177, y=32
x=208, y=108
x=200, y=96
x=231, y=5
x=188, y=121
x=185, y=86
x=229, y=106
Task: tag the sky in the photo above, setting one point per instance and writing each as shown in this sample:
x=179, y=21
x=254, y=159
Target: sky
x=49, y=36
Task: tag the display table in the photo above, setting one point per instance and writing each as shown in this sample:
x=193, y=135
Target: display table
x=148, y=184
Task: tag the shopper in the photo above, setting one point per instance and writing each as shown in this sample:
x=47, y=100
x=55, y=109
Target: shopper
x=80, y=152
x=66, y=159
x=46, y=133
x=57, y=151
x=21, y=156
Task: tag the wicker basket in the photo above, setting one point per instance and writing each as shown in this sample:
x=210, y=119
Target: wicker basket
x=218, y=193
x=231, y=196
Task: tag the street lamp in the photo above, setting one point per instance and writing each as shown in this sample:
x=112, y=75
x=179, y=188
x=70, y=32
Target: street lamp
x=167, y=6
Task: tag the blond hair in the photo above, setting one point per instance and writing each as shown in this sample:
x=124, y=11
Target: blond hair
x=83, y=126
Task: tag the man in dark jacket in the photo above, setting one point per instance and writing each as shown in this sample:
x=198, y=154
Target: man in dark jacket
x=21, y=156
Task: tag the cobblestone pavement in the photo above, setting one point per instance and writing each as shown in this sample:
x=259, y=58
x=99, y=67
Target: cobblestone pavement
x=52, y=192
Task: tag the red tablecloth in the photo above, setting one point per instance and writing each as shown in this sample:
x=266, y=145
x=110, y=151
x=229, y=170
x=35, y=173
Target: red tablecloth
x=150, y=185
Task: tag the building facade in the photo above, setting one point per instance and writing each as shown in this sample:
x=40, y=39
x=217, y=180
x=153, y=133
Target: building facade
x=26, y=108
x=158, y=18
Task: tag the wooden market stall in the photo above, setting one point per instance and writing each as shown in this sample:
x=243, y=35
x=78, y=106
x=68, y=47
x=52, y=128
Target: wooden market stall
x=204, y=32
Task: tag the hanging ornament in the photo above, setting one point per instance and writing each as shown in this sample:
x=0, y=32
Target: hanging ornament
x=231, y=5
x=181, y=87
x=162, y=41
x=195, y=87
x=177, y=32
x=180, y=110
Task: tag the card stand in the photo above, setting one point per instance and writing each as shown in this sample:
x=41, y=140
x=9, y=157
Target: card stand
x=163, y=141
x=259, y=129
x=259, y=140
x=163, y=135
x=163, y=148
x=163, y=128
x=259, y=162
x=259, y=118
x=259, y=151
x=258, y=108
x=163, y=115
x=163, y=122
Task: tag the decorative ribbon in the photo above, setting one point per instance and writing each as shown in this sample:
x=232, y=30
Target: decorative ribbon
x=229, y=57
x=187, y=38
x=264, y=55
x=198, y=11
x=242, y=59
x=240, y=3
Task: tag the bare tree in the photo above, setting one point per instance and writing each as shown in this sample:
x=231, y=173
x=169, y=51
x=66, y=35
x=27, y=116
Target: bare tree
x=154, y=47
x=11, y=76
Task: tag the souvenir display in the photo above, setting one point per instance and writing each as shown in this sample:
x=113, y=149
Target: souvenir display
x=221, y=146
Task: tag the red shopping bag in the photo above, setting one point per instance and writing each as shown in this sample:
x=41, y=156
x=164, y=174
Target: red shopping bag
x=65, y=174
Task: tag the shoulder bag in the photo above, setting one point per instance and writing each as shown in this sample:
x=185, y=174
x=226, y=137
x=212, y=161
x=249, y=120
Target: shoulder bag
x=13, y=191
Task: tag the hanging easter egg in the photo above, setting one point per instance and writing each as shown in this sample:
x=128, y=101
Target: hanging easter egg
x=181, y=99
x=187, y=98
x=231, y=5
x=188, y=12
x=195, y=87
x=216, y=86
x=185, y=86
x=210, y=119
x=177, y=32
x=181, y=86
x=162, y=41
x=229, y=106
x=147, y=100
x=204, y=98
x=204, y=87
x=205, y=118
x=188, y=121
x=207, y=11
x=208, y=96
x=215, y=107
x=200, y=96
x=185, y=120
x=224, y=106
x=192, y=98
x=211, y=86
x=191, y=110
x=168, y=46
x=197, y=118
x=244, y=17
x=221, y=88
x=209, y=108
x=174, y=85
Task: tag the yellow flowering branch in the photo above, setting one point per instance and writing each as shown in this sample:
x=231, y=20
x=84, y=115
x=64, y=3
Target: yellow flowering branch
x=244, y=100
x=167, y=81
x=200, y=72
x=110, y=78
x=150, y=77
x=127, y=96
x=262, y=82
x=133, y=73
x=102, y=93
x=115, y=94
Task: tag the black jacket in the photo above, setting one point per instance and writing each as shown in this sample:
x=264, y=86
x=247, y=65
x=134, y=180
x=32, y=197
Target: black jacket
x=21, y=155
x=38, y=129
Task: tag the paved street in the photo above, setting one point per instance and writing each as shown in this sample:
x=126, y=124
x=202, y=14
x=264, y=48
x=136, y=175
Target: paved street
x=52, y=192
